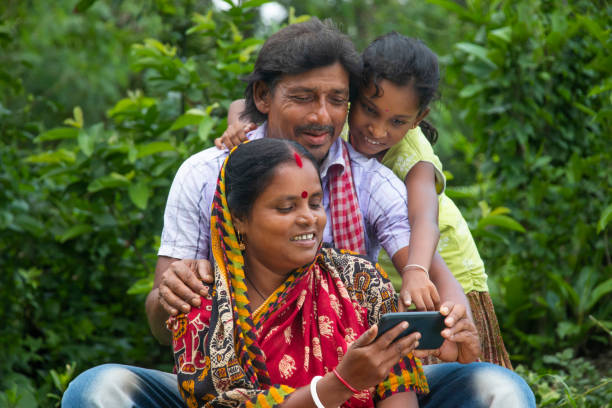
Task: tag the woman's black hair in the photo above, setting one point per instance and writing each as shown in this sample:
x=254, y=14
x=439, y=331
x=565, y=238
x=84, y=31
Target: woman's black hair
x=403, y=61
x=296, y=49
x=250, y=168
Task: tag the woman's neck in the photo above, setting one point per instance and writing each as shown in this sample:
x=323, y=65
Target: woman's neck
x=261, y=281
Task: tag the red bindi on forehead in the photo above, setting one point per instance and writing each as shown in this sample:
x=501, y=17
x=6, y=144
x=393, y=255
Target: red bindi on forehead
x=304, y=194
x=298, y=159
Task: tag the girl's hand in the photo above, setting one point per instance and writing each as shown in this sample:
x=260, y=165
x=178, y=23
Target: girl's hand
x=234, y=135
x=461, y=342
x=368, y=362
x=418, y=289
x=461, y=331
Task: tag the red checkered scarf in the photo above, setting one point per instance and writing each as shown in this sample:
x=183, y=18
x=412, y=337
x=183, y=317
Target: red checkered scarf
x=347, y=222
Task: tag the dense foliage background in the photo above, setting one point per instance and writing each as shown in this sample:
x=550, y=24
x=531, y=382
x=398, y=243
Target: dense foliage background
x=100, y=102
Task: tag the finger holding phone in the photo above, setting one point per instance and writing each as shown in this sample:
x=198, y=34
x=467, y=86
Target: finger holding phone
x=370, y=358
x=461, y=341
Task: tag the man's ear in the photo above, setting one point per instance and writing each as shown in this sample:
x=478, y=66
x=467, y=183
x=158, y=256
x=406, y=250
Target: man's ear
x=421, y=116
x=262, y=97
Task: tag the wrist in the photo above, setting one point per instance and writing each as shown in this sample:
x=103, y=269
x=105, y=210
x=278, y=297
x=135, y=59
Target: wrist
x=414, y=268
x=332, y=392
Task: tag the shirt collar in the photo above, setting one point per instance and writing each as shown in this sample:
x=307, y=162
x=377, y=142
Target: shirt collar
x=334, y=157
x=258, y=133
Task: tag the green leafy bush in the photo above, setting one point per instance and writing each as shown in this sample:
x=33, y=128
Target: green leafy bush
x=81, y=204
x=531, y=89
x=567, y=380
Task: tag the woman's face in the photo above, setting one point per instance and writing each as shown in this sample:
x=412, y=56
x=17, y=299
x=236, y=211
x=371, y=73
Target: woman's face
x=378, y=122
x=285, y=226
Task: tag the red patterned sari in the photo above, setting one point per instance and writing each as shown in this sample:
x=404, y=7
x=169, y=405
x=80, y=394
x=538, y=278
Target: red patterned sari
x=228, y=355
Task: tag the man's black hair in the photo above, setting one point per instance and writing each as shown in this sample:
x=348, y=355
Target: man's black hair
x=300, y=48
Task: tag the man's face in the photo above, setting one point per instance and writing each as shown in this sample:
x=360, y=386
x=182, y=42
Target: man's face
x=309, y=108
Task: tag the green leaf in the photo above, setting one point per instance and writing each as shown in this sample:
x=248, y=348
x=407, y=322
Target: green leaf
x=454, y=7
x=153, y=148
x=597, y=89
x=500, y=221
x=600, y=290
x=459, y=192
x=566, y=290
x=484, y=208
x=591, y=25
x=293, y=19
x=254, y=3
x=74, y=232
x=585, y=109
x=203, y=23
x=77, y=122
x=483, y=233
x=56, y=157
x=471, y=90
x=500, y=210
x=504, y=34
x=83, y=5
x=139, y=194
x=56, y=380
x=565, y=329
x=141, y=287
x=206, y=127
x=191, y=117
x=30, y=224
x=477, y=51
x=245, y=54
x=57, y=134
x=128, y=105
x=605, y=218
x=86, y=142
x=111, y=181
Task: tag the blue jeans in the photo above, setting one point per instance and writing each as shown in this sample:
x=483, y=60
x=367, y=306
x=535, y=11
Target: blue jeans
x=451, y=385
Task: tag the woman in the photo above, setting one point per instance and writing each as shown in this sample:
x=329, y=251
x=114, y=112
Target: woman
x=288, y=321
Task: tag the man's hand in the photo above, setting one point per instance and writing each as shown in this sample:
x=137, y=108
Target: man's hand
x=177, y=286
x=461, y=342
x=181, y=285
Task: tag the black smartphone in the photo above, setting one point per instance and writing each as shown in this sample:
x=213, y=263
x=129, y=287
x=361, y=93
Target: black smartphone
x=429, y=324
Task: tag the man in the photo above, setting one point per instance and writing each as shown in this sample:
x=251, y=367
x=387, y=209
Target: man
x=300, y=86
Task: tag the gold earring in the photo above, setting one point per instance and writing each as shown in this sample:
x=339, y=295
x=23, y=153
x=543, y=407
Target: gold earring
x=241, y=241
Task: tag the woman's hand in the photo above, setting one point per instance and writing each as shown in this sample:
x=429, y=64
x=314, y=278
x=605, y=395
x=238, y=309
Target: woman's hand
x=461, y=342
x=234, y=135
x=368, y=360
x=418, y=289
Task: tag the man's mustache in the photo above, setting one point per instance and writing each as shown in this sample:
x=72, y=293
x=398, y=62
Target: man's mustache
x=315, y=129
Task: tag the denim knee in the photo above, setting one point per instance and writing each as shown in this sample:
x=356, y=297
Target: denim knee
x=118, y=386
x=502, y=387
x=472, y=385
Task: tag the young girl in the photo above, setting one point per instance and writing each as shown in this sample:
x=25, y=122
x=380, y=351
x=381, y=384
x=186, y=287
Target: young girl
x=386, y=122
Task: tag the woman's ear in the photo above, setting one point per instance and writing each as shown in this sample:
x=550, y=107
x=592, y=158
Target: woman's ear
x=239, y=225
x=421, y=116
x=262, y=97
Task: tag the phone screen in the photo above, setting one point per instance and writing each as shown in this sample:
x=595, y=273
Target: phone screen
x=429, y=324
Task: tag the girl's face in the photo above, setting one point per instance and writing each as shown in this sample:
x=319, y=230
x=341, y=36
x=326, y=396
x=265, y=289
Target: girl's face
x=378, y=122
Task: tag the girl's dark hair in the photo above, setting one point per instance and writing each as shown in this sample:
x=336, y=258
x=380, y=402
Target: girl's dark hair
x=404, y=61
x=296, y=49
x=250, y=168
